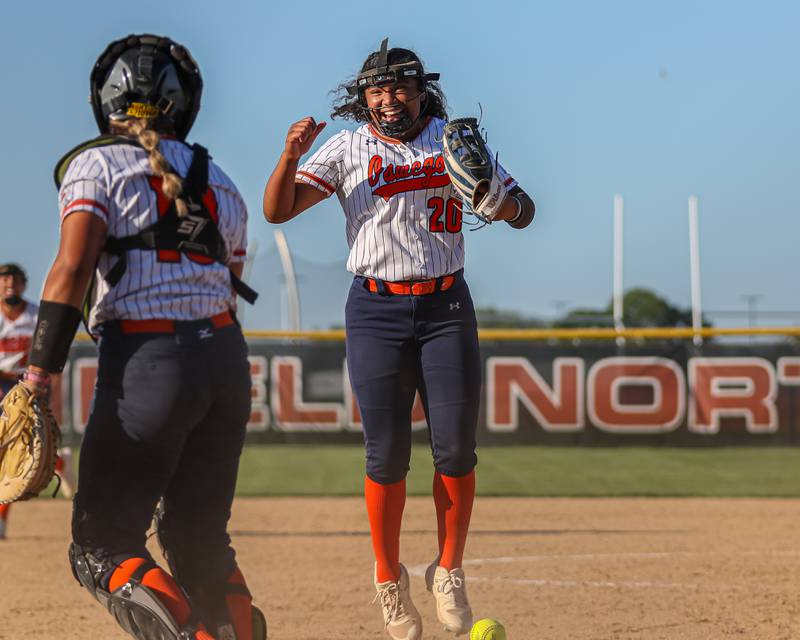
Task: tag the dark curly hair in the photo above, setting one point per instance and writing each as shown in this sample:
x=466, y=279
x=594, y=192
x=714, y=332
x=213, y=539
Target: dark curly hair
x=350, y=107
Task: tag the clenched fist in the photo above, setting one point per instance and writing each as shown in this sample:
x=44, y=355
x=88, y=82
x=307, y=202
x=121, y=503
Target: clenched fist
x=301, y=136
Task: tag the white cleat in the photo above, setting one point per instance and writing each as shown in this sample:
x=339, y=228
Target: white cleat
x=401, y=618
x=450, y=590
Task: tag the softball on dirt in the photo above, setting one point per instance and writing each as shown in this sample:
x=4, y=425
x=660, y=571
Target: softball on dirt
x=487, y=629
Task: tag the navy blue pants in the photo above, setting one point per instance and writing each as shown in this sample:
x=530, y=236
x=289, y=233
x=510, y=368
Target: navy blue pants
x=397, y=344
x=168, y=419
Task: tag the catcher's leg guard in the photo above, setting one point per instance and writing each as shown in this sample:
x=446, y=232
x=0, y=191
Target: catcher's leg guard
x=144, y=599
x=247, y=621
x=227, y=609
x=218, y=594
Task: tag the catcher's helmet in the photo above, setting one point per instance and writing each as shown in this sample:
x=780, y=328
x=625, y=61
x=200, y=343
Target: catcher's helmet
x=377, y=69
x=387, y=66
x=146, y=76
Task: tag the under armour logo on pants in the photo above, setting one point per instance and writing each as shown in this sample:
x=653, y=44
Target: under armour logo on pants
x=455, y=305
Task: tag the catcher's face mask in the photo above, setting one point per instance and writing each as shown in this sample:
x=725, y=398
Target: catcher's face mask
x=146, y=76
x=403, y=83
x=395, y=106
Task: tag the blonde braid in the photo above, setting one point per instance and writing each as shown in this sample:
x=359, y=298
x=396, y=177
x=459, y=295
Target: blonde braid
x=172, y=183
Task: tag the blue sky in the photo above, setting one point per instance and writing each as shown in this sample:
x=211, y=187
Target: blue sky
x=583, y=100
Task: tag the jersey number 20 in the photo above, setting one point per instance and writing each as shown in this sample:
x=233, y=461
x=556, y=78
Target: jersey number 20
x=451, y=212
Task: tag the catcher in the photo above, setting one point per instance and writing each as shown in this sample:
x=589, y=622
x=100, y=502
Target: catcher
x=162, y=230
x=401, y=178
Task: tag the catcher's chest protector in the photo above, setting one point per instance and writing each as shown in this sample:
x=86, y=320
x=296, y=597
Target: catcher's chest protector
x=195, y=234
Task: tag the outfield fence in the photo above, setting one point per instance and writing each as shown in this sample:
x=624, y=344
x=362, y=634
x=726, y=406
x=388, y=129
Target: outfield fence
x=557, y=386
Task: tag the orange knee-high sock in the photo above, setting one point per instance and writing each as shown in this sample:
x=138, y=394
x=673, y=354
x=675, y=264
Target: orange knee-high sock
x=385, y=504
x=453, y=498
x=442, y=502
x=163, y=586
x=4, y=509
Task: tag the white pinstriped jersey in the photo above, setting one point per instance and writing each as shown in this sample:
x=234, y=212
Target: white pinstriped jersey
x=15, y=339
x=403, y=215
x=116, y=184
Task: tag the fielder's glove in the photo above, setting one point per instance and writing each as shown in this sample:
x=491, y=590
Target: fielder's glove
x=472, y=170
x=29, y=441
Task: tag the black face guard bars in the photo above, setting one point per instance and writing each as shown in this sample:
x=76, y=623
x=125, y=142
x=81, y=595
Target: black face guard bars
x=385, y=73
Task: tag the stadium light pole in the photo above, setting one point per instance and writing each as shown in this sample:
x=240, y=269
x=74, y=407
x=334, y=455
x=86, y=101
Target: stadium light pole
x=694, y=270
x=751, y=299
x=290, y=280
x=560, y=305
x=618, y=294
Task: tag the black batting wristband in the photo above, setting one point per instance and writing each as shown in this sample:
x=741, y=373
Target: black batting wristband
x=526, y=209
x=519, y=211
x=55, y=329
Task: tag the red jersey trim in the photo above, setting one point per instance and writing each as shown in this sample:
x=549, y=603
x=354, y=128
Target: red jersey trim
x=84, y=202
x=240, y=252
x=320, y=181
x=508, y=181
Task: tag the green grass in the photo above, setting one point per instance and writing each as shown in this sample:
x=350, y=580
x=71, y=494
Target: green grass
x=539, y=471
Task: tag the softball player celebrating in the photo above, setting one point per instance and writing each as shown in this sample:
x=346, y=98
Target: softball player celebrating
x=409, y=317
x=161, y=229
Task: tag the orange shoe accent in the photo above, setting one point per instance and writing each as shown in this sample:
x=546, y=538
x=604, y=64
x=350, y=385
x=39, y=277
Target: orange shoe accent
x=240, y=607
x=385, y=504
x=453, y=512
x=4, y=509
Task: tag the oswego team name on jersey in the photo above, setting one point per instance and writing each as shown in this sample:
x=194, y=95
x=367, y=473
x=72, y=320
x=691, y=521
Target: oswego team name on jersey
x=403, y=217
x=403, y=177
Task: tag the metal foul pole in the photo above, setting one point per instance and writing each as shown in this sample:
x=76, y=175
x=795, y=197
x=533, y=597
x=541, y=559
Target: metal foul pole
x=694, y=263
x=617, y=292
x=290, y=280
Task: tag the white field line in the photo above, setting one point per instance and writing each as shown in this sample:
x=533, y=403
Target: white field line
x=591, y=583
x=419, y=570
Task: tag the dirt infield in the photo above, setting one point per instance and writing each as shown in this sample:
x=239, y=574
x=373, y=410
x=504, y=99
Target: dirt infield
x=548, y=568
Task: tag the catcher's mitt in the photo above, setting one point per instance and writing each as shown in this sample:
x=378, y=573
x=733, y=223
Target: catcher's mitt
x=472, y=169
x=29, y=440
